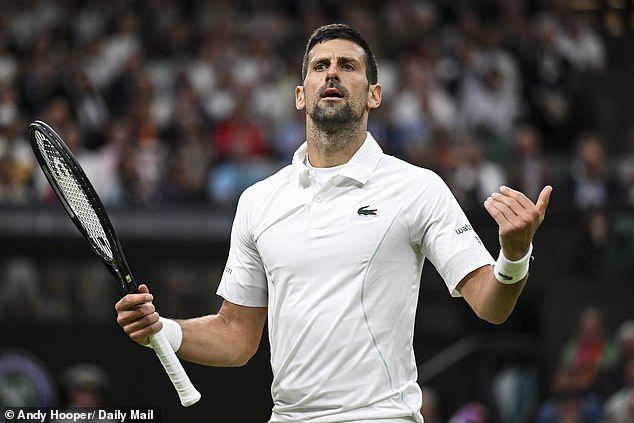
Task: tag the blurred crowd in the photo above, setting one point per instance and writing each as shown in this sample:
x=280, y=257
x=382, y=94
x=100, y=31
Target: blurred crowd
x=189, y=102
x=592, y=382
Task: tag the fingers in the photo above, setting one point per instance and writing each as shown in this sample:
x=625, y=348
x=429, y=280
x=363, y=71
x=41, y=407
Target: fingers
x=506, y=205
x=131, y=300
x=514, y=199
x=514, y=203
x=498, y=211
x=140, y=330
x=518, y=218
x=137, y=316
x=510, y=203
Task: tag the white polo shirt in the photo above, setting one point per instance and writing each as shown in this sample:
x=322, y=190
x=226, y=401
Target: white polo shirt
x=339, y=267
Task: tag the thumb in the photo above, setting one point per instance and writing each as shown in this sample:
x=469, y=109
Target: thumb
x=543, y=199
x=143, y=289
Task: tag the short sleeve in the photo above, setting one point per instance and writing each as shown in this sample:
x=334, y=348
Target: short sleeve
x=243, y=281
x=446, y=236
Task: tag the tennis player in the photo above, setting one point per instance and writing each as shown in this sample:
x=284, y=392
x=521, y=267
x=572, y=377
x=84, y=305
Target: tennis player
x=331, y=248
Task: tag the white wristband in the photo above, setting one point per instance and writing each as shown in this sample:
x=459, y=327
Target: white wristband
x=173, y=333
x=509, y=272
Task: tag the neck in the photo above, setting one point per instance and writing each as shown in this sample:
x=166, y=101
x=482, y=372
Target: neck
x=333, y=148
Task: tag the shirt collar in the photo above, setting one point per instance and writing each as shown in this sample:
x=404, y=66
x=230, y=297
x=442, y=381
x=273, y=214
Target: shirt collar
x=359, y=167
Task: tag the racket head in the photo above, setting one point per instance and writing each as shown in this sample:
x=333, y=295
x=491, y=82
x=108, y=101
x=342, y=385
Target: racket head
x=80, y=200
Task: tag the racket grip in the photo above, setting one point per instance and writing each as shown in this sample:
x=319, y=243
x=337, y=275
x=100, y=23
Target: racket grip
x=186, y=392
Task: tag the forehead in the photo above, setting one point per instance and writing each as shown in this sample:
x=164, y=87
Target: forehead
x=334, y=49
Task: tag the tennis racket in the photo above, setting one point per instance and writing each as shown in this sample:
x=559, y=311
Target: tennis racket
x=79, y=198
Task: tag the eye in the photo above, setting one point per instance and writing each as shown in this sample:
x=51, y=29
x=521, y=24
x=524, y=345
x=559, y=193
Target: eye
x=320, y=67
x=347, y=67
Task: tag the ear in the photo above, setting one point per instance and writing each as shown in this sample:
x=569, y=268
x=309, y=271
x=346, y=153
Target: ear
x=300, y=101
x=374, y=96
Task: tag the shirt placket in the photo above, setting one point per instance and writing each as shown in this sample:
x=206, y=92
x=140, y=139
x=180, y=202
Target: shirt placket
x=316, y=205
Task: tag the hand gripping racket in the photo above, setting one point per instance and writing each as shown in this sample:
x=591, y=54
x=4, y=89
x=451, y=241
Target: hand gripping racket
x=76, y=193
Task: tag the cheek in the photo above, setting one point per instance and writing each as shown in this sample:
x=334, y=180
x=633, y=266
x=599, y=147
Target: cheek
x=310, y=98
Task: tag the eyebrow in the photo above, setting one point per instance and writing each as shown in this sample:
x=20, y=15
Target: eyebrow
x=340, y=60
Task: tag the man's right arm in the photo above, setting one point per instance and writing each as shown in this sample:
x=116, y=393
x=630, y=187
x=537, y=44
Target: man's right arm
x=227, y=339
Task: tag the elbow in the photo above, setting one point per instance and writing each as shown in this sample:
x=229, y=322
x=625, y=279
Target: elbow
x=241, y=359
x=497, y=320
x=495, y=313
x=495, y=317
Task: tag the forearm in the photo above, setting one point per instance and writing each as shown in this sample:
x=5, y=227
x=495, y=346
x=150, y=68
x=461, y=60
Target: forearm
x=496, y=301
x=490, y=300
x=207, y=340
x=221, y=340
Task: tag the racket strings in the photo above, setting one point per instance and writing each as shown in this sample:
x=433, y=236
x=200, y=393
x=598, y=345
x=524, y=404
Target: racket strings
x=74, y=195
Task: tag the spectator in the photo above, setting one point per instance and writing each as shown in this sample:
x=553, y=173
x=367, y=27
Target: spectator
x=489, y=103
x=93, y=114
x=528, y=170
x=19, y=290
x=619, y=406
x=84, y=385
x=475, y=174
x=591, y=243
x=472, y=412
x=625, y=168
x=8, y=62
x=548, y=86
x=243, y=154
x=614, y=378
x=576, y=41
x=418, y=108
x=570, y=401
x=584, y=49
x=17, y=165
x=590, y=183
x=442, y=155
x=188, y=165
x=590, y=349
x=9, y=103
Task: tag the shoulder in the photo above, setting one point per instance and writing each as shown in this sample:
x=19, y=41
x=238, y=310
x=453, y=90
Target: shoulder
x=268, y=197
x=407, y=176
x=267, y=186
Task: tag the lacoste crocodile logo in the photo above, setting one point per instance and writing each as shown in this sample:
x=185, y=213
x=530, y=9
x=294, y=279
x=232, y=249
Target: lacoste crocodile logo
x=366, y=211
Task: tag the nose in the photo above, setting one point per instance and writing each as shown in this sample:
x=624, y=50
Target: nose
x=332, y=73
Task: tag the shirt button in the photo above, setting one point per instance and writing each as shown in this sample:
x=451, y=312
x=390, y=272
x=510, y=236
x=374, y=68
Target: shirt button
x=318, y=199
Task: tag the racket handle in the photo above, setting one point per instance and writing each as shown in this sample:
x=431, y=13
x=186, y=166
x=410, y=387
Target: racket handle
x=186, y=391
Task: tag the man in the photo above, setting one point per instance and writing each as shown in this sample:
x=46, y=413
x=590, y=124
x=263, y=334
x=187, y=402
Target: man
x=331, y=250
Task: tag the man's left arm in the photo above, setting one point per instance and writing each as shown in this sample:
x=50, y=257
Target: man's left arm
x=492, y=292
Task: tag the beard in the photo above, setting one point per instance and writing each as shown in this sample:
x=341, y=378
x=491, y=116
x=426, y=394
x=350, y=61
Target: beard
x=333, y=118
x=330, y=117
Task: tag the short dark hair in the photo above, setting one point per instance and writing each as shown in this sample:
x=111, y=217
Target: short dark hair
x=345, y=32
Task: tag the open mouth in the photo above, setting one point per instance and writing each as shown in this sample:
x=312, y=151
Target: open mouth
x=331, y=93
